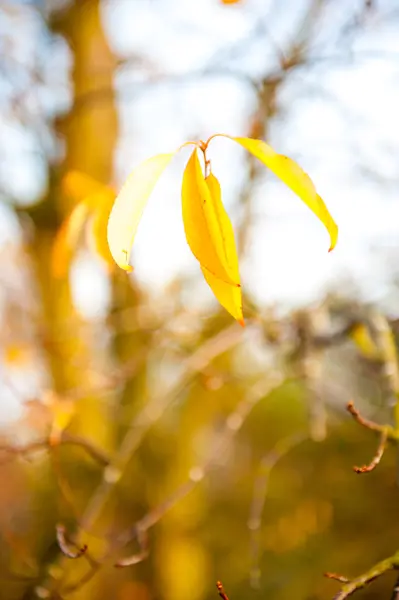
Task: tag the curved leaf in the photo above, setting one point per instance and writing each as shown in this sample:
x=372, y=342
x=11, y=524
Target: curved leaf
x=129, y=205
x=67, y=239
x=228, y=295
x=295, y=178
x=207, y=226
x=97, y=228
x=79, y=185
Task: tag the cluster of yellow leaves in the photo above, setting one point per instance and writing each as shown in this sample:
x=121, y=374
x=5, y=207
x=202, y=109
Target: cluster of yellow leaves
x=93, y=203
x=207, y=226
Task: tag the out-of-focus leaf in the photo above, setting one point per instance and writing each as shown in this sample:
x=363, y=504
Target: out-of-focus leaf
x=17, y=354
x=79, y=185
x=228, y=295
x=295, y=178
x=62, y=411
x=206, y=225
x=360, y=335
x=97, y=229
x=129, y=205
x=67, y=239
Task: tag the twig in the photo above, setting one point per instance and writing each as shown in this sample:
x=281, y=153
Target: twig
x=65, y=545
x=155, y=408
x=352, y=586
x=221, y=591
x=387, y=432
x=43, y=444
x=337, y=577
x=350, y=407
x=377, y=457
x=134, y=559
x=232, y=425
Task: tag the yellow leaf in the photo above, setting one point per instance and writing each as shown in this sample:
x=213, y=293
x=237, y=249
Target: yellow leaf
x=17, y=354
x=97, y=230
x=129, y=205
x=228, y=295
x=206, y=224
x=67, y=239
x=295, y=178
x=61, y=410
x=360, y=335
x=79, y=185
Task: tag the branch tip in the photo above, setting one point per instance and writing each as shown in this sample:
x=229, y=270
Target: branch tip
x=65, y=545
x=221, y=591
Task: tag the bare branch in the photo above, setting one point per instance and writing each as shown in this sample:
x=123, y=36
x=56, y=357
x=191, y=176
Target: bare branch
x=377, y=457
x=261, y=485
x=337, y=577
x=352, y=586
x=134, y=559
x=43, y=444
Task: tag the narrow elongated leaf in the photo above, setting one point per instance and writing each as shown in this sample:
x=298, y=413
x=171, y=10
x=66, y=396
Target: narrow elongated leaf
x=97, y=227
x=228, y=295
x=206, y=224
x=67, y=239
x=295, y=178
x=129, y=205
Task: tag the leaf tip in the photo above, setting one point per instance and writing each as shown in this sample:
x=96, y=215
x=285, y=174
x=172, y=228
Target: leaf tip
x=241, y=322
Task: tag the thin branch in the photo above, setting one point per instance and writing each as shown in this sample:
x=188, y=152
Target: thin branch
x=377, y=457
x=134, y=559
x=43, y=444
x=352, y=586
x=261, y=485
x=387, y=432
x=352, y=410
x=233, y=424
x=65, y=546
x=337, y=577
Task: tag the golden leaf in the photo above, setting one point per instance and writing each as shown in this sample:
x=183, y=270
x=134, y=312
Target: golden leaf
x=360, y=335
x=228, y=295
x=206, y=224
x=129, y=205
x=295, y=178
x=97, y=228
x=62, y=410
x=79, y=185
x=67, y=239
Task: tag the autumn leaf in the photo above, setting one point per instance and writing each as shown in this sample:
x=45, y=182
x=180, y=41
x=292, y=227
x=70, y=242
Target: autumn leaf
x=61, y=410
x=208, y=229
x=206, y=223
x=129, y=205
x=361, y=337
x=295, y=178
x=98, y=226
x=228, y=295
x=94, y=201
x=67, y=239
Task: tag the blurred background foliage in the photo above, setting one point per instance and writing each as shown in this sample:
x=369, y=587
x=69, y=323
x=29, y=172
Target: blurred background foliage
x=200, y=450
